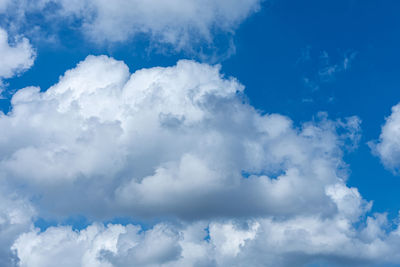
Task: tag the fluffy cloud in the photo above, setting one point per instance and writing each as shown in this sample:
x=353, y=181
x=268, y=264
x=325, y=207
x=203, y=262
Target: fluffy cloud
x=175, y=141
x=171, y=22
x=16, y=56
x=62, y=246
x=229, y=185
x=388, y=145
x=263, y=242
x=16, y=216
x=179, y=23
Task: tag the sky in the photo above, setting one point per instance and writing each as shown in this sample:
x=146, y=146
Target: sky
x=199, y=133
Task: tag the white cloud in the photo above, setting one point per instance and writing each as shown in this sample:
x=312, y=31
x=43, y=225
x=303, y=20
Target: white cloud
x=177, y=23
x=171, y=22
x=61, y=246
x=388, y=145
x=165, y=142
x=262, y=242
x=15, y=218
x=16, y=56
x=239, y=188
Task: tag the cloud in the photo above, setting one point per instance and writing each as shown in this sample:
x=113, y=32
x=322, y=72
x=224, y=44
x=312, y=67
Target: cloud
x=176, y=141
x=62, y=246
x=322, y=69
x=387, y=148
x=262, y=242
x=16, y=56
x=328, y=71
x=226, y=184
x=4, y=4
x=16, y=217
x=180, y=24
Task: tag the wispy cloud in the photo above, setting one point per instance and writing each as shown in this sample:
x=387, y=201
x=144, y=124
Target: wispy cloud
x=319, y=68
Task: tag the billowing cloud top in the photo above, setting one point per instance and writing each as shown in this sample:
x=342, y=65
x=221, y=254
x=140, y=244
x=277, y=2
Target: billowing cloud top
x=180, y=146
x=165, y=141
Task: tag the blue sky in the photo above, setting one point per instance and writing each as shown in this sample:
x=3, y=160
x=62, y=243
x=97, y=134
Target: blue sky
x=294, y=58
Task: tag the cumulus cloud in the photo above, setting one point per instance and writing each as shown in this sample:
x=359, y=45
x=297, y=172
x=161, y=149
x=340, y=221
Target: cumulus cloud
x=262, y=242
x=99, y=246
x=388, y=145
x=16, y=217
x=175, y=141
x=229, y=185
x=178, y=23
x=16, y=56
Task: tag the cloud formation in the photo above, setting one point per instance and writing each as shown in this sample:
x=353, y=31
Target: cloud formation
x=175, y=141
x=17, y=55
x=262, y=242
x=16, y=217
x=227, y=184
x=180, y=24
x=387, y=148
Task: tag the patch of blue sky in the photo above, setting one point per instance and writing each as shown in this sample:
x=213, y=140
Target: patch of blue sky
x=80, y=222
